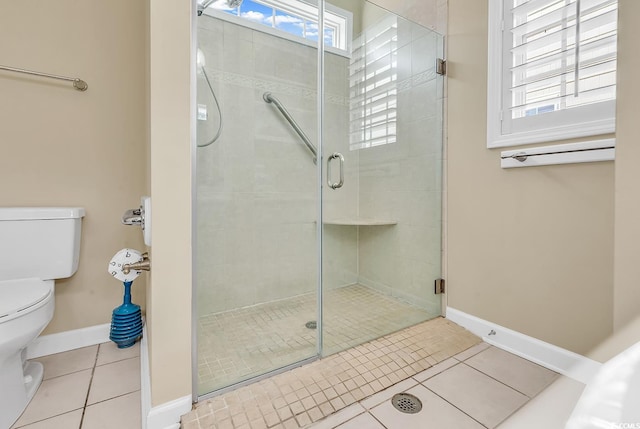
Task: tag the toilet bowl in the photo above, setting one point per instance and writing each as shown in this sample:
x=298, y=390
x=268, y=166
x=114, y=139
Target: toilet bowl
x=37, y=245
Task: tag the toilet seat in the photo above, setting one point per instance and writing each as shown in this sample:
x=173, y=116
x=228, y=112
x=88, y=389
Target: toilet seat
x=20, y=295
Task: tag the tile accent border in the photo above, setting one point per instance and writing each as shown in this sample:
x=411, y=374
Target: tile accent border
x=565, y=362
x=68, y=340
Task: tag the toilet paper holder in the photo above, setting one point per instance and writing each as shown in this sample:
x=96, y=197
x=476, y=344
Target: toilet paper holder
x=144, y=265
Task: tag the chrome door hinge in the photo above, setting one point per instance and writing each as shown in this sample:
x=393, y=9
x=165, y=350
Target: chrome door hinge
x=441, y=66
x=438, y=286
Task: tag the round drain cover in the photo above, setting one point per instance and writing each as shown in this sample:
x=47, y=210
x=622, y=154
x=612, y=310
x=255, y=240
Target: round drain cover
x=311, y=324
x=406, y=403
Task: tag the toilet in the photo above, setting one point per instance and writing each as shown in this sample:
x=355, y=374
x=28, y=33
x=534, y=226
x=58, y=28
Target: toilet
x=37, y=246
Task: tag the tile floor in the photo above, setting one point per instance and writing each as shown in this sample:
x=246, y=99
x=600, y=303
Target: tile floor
x=300, y=397
x=240, y=344
x=96, y=387
x=478, y=388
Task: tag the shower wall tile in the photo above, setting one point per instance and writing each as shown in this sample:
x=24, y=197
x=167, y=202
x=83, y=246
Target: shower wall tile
x=402, y=181
x=429, y=13
x=257, y=185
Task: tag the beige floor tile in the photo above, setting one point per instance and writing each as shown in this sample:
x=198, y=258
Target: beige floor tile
x=122, y=412
x=57, y=396
x=65, y=421
x=522, y=375
x=68, y=362
x=436, y=413
x=435, y=370
x=363, y=421
x=115, y=379
x=472, y=351
x=550, y=409
x=480, y=396
x=388, y=393
x=340, y=417
x=109, y=353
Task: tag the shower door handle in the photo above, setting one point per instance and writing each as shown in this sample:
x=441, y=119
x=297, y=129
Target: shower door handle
x=339, y=184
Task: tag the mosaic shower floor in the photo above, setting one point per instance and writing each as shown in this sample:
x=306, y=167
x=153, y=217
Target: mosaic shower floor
x=243, y=343
x=307, y=394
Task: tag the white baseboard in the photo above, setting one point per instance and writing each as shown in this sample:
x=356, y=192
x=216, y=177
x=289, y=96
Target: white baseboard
x=557, y=359
x=145, y=378
x=167, y=415
x=68, y=340
x=164, y=416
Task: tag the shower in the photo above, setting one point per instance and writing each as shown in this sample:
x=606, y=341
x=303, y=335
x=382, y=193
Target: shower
x=352, y=241
x=200, y=64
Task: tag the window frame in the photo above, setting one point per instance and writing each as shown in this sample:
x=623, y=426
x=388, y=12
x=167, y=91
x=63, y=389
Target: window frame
x=601, y=116
x=302, y=8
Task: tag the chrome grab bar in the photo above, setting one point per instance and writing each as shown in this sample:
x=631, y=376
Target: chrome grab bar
x=341, y=182
x=78, y=84
x=269, y=98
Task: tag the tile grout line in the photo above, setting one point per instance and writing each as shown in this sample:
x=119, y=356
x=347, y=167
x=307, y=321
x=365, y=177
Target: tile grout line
x=46, y=418
x=455, y=406
x=86, y=400
x=503, y=383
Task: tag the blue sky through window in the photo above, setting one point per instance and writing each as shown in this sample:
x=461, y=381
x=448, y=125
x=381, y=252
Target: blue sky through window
x=273, y=17
x=289, y=23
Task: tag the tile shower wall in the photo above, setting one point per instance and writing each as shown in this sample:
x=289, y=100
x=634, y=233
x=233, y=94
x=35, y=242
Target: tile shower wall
x=402, y=181
x=256, y=188
x=256, y=185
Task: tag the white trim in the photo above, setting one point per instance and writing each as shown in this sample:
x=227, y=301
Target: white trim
x=164, y=416
x=495, y=138
x=167, y=415
x=557, y=359
x=68, y=340
x=495, y=102
x=494, y=74
x=145, y=378
x=571, y=153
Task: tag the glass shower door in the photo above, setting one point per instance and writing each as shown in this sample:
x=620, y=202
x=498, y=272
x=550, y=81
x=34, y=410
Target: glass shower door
x=383, y=190
x=257, y=197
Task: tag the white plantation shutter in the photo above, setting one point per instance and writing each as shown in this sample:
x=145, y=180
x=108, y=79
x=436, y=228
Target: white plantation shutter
x=558, y=67
x=372, y=86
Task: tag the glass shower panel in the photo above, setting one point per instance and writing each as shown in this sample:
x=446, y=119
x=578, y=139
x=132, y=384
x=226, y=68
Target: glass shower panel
x=257, y=195
x=382, y=225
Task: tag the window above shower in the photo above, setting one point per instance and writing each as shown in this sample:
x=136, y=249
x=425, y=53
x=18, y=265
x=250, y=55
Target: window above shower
x=294, y=20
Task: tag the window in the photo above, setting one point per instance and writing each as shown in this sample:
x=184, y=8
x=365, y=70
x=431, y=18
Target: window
x=373, y=76
x=552, y=70
x=293, y=19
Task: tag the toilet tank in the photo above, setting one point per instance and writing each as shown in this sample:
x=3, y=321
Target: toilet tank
x=40, y=242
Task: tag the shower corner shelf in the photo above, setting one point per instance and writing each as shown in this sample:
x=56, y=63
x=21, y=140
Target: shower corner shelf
x=360, y=222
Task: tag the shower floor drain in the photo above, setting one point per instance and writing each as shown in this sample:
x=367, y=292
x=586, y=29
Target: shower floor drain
x=312, y=324
x=406, y=403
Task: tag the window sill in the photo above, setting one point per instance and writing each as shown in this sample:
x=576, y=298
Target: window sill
x=571, y=153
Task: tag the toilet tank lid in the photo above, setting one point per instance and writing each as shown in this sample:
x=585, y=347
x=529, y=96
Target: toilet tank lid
x=40, y=213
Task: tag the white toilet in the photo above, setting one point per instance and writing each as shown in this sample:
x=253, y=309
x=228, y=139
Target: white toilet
x=37, y=245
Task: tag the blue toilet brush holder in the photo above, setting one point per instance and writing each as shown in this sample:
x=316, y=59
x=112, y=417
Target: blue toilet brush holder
x=126, y=321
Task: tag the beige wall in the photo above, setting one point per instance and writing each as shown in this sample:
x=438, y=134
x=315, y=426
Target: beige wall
x=169, y=298
x=627, y=177
x=62, y=147
x=530, y=249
